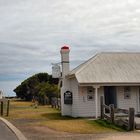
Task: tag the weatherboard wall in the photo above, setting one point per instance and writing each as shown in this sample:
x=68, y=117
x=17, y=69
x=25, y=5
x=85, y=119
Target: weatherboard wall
x=74, y=89
x=81, y=106
x=66, y=109
x=87, y=107
x=126, y=103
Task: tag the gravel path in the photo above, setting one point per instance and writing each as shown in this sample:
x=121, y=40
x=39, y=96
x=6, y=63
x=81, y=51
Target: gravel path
x=45, y=133
x=126, y=136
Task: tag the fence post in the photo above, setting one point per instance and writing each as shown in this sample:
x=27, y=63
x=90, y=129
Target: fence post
x=1, y=108
x=102, y=109
x=112, y=112
x=8, y=104
x=131, y=121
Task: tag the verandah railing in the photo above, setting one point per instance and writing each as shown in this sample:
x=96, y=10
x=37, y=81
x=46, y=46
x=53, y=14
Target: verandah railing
x=125, y=119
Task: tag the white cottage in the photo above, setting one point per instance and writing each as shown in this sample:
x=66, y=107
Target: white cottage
x=114, y=75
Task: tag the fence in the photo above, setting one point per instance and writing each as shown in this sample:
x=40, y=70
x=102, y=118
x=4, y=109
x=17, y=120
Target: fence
x=127, y=121
x=55, y=102
x=4, y=105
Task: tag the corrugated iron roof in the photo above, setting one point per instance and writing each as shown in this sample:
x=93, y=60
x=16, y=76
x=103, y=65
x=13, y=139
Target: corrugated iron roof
x=109, y=67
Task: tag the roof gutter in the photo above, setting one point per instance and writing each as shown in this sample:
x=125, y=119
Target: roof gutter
x=111, y=84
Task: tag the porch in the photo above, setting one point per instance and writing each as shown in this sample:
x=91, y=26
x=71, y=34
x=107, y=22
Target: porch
x=121, y=96
x=121, y=117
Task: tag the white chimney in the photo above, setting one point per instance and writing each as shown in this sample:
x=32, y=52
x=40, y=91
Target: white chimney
x=65, y=60
x=65, y=108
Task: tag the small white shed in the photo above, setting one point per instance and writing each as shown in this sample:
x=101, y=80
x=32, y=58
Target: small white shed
x=114, y=75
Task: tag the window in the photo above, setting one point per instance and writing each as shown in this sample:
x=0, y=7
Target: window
x=90, y=93
x=127, y=92
x=68, y=97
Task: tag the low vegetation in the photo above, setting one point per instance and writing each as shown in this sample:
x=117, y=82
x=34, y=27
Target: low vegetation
x=24, y=113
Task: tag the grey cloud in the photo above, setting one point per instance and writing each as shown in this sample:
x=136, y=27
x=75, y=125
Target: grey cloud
x=32, y=32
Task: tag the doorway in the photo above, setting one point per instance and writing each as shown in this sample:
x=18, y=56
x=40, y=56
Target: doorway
x=110, y=95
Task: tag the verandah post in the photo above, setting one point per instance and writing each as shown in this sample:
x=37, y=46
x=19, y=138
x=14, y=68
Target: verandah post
x=96, y=87
x=112, y=112
x=1, y=108
x=131, y=119
x=8, y=104
x=102, y=108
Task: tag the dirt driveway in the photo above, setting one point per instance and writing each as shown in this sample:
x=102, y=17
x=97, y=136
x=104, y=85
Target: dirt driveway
x=124, y=136
x=45, y=133
x=30, y=122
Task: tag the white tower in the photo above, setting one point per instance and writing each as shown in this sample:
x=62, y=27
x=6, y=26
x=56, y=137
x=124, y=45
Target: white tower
x=65, y=108
x=65, y=60
x=1, y=94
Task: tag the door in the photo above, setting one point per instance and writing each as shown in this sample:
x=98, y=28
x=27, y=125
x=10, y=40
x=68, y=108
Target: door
x=110, y=95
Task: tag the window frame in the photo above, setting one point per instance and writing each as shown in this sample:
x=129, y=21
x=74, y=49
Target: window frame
x=127, y=92
x=90, y=94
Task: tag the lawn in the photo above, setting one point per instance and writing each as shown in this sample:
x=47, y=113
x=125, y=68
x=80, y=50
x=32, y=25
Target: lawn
x=25, y=114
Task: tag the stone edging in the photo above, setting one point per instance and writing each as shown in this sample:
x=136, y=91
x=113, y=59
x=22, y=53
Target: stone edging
x=17, y=132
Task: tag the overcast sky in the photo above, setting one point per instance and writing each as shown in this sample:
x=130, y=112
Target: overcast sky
x=33, y=31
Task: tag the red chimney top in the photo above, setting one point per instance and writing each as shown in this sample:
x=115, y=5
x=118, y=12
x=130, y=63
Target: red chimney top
x=65, y=48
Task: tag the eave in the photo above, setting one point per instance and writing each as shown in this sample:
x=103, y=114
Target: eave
x=111, y=84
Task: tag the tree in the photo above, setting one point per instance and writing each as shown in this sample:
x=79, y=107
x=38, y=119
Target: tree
x=40, y=85
x=48, y=90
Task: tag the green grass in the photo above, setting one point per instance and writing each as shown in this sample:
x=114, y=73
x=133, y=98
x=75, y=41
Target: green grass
x=49, y=117
x=107, y=124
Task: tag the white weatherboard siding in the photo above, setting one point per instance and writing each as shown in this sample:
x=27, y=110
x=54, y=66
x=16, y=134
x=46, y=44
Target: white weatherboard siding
x=126, y=103
x=82, y=107
x=85, y=108
x=74, y=90
x=66, y=110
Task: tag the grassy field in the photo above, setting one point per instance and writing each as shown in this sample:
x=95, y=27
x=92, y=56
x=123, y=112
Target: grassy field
x=25, y=114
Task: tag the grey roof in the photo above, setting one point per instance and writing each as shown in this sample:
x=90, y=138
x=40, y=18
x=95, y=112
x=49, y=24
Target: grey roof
x=112, y=67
